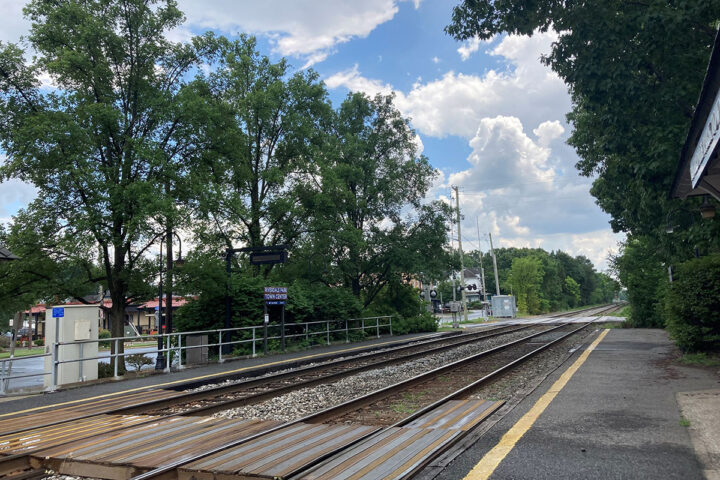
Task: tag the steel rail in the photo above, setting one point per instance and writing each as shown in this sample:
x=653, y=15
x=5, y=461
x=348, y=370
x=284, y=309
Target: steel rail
x=313, y=418
x=354, y=404
x=492, y=376
x=160, y=471
x=142, y=406
x=386, y=358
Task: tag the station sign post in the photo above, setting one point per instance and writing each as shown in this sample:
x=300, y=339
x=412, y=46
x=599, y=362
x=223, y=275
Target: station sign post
x=267, y=255
x=275, y=296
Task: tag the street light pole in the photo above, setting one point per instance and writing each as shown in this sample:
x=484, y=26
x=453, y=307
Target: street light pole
x=160, y=359
x=171, y=264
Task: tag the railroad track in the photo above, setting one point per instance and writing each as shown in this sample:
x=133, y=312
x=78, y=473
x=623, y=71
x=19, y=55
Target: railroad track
x=182, y=400
x=224, y=397
x=371, y=453
x=230, y=438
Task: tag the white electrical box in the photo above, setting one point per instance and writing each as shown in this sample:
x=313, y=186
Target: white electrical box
x=77, y=323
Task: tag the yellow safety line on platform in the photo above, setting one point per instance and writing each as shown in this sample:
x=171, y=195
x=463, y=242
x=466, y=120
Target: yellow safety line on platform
x=487, y=465
x=219, y=374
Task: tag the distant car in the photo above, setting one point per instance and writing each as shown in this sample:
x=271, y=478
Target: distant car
x=24, y=332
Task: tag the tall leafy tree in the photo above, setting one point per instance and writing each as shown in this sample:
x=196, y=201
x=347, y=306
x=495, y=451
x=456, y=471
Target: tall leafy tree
x=101, y=139
x=368, y=215
x=526, y=277
x=262, y=132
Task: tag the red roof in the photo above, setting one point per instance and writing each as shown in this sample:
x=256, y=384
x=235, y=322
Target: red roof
x=36, y=309
x=176, y=302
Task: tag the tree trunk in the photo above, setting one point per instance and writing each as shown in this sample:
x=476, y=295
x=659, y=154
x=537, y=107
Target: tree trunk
x=117, y=329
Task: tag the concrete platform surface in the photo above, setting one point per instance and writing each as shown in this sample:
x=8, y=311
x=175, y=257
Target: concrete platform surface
x=617, y=417
x=701, y=410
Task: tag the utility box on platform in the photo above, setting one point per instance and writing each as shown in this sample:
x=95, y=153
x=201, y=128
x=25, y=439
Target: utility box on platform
x=74, y=323
x=503, y=306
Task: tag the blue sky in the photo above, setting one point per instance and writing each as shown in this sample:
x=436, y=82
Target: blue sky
x=490, y=117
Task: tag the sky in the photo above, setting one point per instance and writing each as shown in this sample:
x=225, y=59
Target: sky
x=489, y=116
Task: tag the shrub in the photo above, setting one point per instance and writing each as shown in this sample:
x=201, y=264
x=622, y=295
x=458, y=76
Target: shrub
x=105, y=370
x=138, y=360
x=425, y=322
x=40, y=342
x=104, y=334
x=692, y=306
x=5, y=341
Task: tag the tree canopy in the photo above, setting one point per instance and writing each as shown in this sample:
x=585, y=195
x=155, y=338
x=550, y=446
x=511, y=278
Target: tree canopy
x=99, y=140
x=137, y=137
x=544, y=281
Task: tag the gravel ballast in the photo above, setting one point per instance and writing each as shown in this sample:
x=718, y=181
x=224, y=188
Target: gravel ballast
x=300, y=403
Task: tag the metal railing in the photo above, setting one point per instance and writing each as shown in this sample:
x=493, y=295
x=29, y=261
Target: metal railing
x=222, y=344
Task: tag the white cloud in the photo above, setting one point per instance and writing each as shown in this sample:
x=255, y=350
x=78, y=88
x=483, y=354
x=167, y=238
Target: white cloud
x=12, y=22
x=520, y=183
x=352, y=80
x=468, y=48
x=515, y=188
x=301, y=28
x=548, y=131
x=14, y=194
x=456, y=103
x=435, y=60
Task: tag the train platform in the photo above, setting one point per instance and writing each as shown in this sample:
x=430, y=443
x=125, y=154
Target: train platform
x=250, y=366
x=621, y=408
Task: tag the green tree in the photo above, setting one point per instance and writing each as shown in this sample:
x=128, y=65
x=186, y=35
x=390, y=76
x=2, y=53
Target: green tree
x=367, y=214
x=526, y=275
x=692, y=305
x=99, y=144
x=639, y=269
x=263, y=129
x=573, y=289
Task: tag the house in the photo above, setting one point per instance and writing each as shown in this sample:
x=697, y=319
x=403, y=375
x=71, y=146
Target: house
x=473, y=284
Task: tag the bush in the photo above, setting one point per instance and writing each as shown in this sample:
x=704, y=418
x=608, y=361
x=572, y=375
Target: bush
x=138, y=360
x=5, y=341
x=692, y=306
x=105, y=370
x=425, y=322
x=104, y=334
x=40, y=342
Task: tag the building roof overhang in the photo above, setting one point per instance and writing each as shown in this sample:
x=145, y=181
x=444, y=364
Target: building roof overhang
x=698, y=172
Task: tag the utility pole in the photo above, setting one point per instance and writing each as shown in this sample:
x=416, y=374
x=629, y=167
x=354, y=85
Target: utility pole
x=462, y=263
x=482, y=270
x=452, y=231
x=492, y=251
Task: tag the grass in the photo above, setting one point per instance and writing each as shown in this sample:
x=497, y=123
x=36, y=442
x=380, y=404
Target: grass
x=24, y=352
x=684, y=422
x=446, y=329
x=408, y=404
x=701, y=359
x=623, y=312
